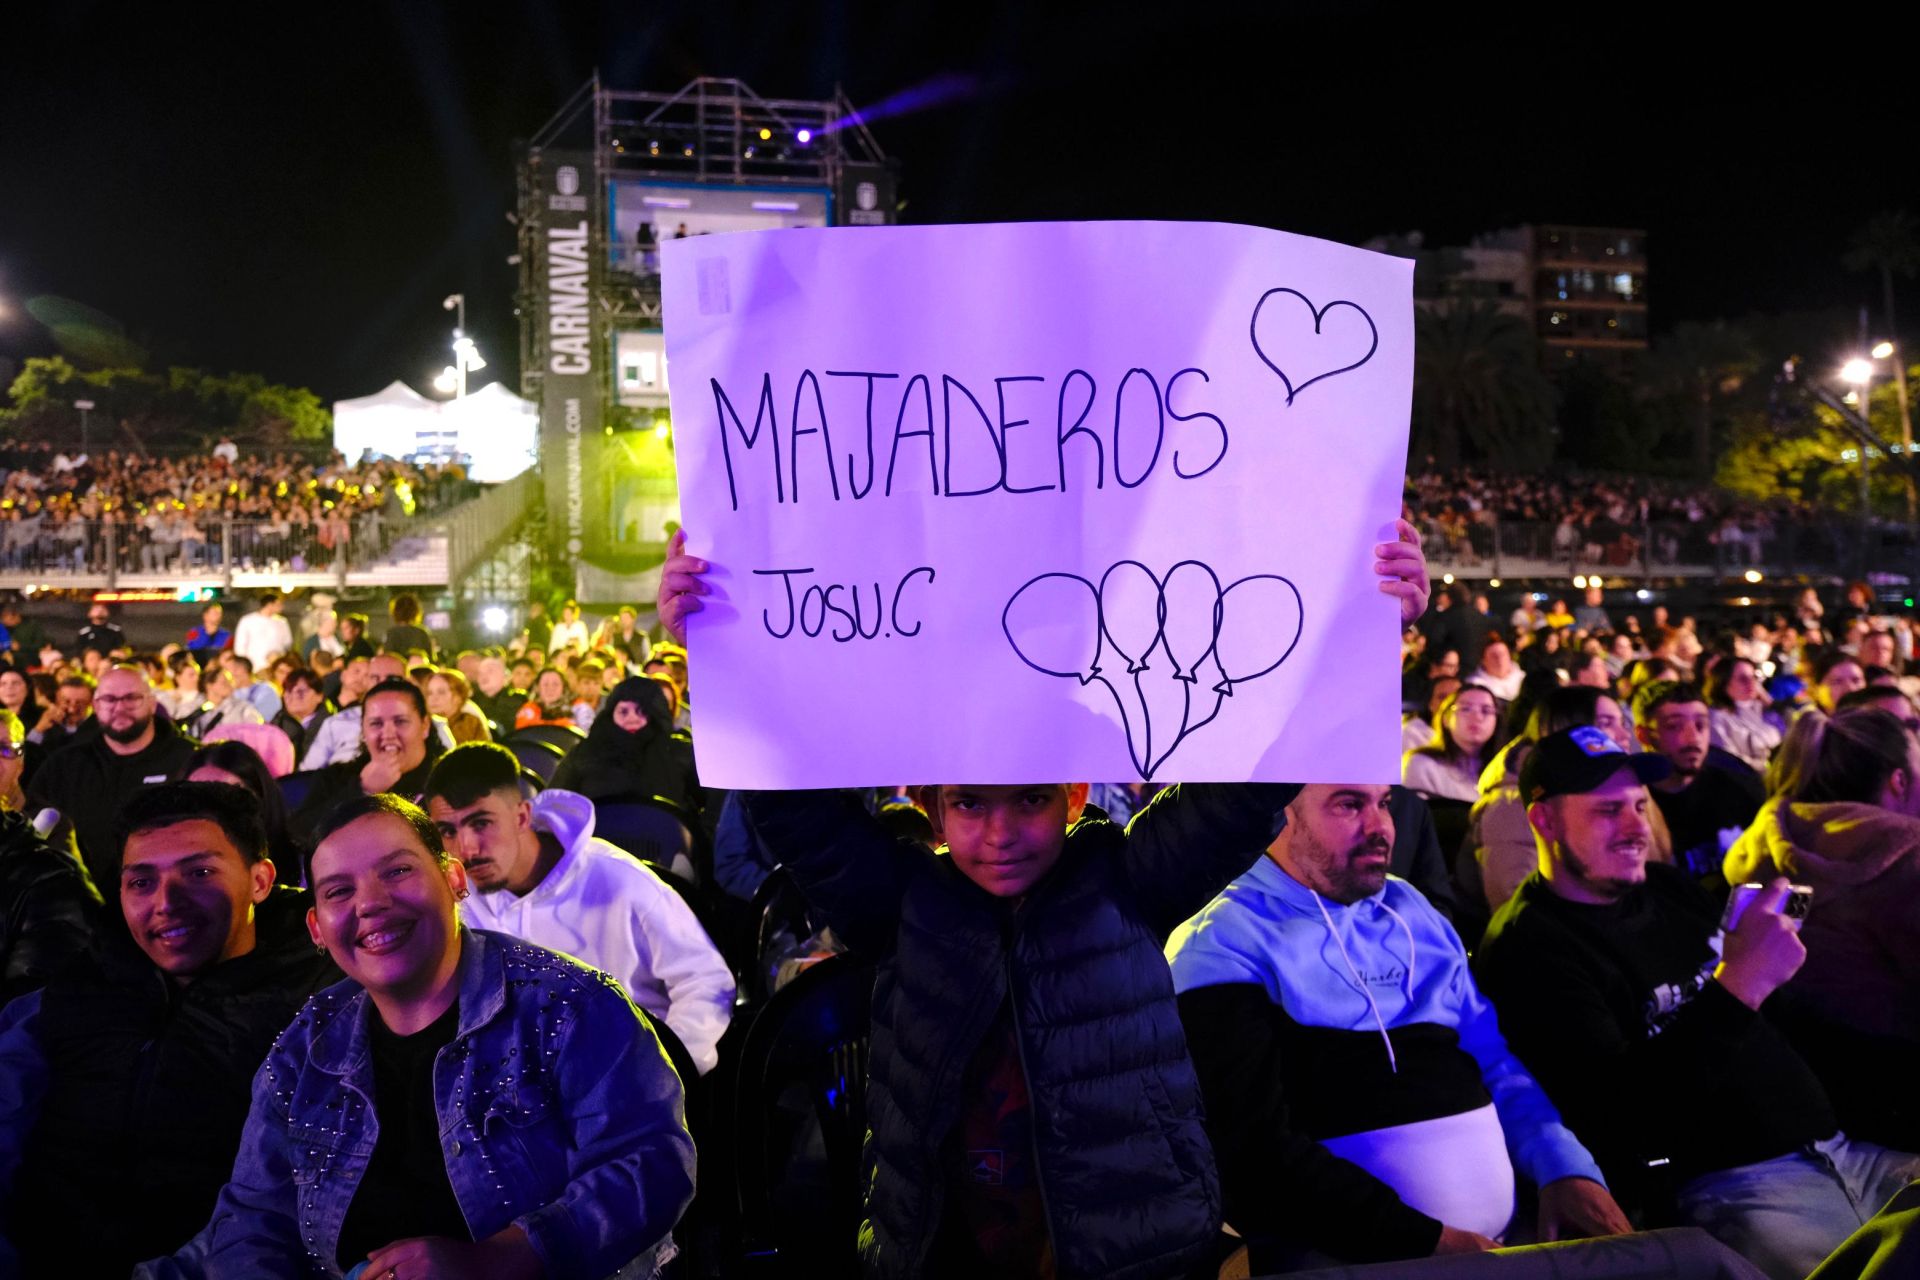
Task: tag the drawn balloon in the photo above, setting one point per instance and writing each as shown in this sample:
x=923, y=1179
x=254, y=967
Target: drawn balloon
x=1189, y=616
x=1053, y=624
x=1130, y=611
x=1259, y=626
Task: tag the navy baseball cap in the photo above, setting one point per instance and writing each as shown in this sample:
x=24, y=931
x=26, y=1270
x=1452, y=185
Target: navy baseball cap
x=1577, y=760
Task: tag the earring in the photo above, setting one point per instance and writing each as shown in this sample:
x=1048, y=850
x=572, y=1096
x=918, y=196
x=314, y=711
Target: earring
x=320, y=947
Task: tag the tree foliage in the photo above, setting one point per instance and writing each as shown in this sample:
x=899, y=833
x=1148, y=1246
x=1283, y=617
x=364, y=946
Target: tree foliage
x=181, y=408
x=1478, y=388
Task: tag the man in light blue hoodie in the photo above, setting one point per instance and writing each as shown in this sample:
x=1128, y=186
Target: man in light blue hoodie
x=1362, y=1103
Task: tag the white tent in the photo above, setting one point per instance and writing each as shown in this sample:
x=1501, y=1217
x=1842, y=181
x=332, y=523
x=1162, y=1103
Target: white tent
x=495, y=430
x=385, y=422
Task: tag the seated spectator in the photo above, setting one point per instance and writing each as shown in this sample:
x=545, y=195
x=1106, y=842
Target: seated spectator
x=49, y=907
x=1113, y=1117
x=225, y=704
x=263, y=695
x=1497, y=670
x=508, y=1113
x=303, y=708
x=538, y=874
x=1835, y=675
x=497, y=699
x=551, y=703
x=1417, y=731
x=1707, y=803
x=397, y=751
x=1501, y=841
x=1449, y=767
x=183, y=699
x=90, y=781
x=1849, y=828
x=587, y=691
x=450, y=698
x=1738, y=713
x=1364, y=1117
x=326, y=635
x=1616, y=985
x=354, y=642
x=338, y=738
x=70, y=712
x=630, y=751
x=135, y=1062
x=239, y=765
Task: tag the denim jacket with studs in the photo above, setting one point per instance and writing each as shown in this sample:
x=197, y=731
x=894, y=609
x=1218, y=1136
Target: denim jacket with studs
x=558, y=1109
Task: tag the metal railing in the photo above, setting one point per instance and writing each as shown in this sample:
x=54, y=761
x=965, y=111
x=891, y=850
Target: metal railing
x=41, y=550
x=475, y=528
x=1490, y=547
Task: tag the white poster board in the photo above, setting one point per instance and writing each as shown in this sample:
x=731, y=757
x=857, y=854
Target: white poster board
x=1040, y=502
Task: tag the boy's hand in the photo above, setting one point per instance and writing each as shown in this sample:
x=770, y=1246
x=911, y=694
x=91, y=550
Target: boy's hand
x=1402, y=568
x=681, y=587
x=1579, y=1208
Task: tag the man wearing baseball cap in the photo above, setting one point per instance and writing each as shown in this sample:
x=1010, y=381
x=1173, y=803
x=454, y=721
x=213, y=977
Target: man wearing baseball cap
x=1641, y=1018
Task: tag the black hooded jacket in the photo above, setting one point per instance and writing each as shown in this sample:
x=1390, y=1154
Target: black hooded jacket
x=614, y=763
x=49, y=908
x=87, y=781
x=148, y=1085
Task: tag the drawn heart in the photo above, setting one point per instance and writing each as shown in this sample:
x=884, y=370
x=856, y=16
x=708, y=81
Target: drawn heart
x=1328, y=342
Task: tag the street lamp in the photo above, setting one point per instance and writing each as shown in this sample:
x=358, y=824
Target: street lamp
x=466, y=357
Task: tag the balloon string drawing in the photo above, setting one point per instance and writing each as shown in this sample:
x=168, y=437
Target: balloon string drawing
x=1170, y=649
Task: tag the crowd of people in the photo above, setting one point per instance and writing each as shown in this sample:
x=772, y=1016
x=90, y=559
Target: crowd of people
x=1604, y=520
x=301, y=945
x=74, y=512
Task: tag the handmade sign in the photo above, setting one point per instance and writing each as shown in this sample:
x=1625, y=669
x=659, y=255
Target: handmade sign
x=1040, y=502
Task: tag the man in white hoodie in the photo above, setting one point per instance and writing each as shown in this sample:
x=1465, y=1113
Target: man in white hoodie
x=1361, y=1101
x=539, y=874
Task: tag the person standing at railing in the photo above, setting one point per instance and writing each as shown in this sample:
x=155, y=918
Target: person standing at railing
x=209, y=637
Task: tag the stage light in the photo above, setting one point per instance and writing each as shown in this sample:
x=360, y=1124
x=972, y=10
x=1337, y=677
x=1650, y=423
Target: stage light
x=766, y=135
x=1857, y=370
x=803, y=137
x=1494, y=583
x=748, y=153
x=1580, y=582
x=1882, y=350
x=494, y=618
x=448, y=382
x=1448, y=579
x=687, y=151
x=1643, y=595
x=1753, y=575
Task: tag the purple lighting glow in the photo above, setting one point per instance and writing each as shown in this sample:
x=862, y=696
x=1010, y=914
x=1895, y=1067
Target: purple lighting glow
x=804, y=136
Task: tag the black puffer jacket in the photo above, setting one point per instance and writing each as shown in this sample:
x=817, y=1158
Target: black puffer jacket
x=1124, y=1165
x=147, y=1089
x=49, y=908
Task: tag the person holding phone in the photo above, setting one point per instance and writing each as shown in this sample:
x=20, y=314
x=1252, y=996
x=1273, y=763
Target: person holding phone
x=1641, y=1017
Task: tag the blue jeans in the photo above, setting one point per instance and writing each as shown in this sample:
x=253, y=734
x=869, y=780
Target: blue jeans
x=1786, y=1215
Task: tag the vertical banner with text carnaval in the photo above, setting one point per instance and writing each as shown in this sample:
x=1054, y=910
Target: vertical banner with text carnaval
x=570, y=388
x=1040, y=502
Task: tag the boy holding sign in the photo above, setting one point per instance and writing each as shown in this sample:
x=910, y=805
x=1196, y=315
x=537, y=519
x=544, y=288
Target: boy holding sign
x=1032, y=1107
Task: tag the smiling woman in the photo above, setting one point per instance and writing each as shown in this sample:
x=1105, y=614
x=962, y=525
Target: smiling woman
x=553, y=1088
x=398, y=749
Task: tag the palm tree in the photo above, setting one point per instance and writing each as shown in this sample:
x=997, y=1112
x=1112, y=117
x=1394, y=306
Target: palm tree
x=1477, y=382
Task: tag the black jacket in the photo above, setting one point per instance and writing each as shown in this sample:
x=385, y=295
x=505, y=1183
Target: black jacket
x=148, y=1086
x=1126, y=1173
x=49, y=908
x=1614, y=1010
x=87, y=782
x=335, y=784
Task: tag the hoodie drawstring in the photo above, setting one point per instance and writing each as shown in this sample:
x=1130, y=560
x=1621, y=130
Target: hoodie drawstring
x=1373, y=1007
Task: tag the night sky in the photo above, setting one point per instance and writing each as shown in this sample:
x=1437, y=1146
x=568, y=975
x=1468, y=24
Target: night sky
x=292, y=191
